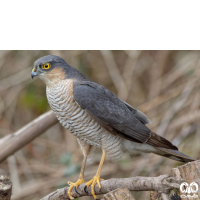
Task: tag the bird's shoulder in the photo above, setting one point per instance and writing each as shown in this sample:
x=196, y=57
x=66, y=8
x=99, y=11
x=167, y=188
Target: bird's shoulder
x=88, y=90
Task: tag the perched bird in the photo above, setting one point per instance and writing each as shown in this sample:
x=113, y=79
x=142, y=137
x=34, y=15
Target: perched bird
x=98, y=118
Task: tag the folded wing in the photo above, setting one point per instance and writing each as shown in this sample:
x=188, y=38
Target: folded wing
x=119, y=118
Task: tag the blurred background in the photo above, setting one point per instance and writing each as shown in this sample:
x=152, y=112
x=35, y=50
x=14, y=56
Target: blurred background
x=164, y=85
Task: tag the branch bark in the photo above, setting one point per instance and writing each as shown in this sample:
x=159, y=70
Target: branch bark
x=162, y=184
x=5, y=188
x=12, y=143
x=190, y=173
x=119, y=194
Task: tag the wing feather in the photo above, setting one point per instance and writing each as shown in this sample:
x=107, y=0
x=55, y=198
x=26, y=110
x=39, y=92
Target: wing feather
x=138, y=114
x=116, y=116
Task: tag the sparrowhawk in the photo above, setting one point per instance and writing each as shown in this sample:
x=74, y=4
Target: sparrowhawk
x=98, y=118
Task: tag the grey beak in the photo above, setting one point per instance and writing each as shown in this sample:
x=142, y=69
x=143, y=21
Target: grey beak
x=33, y=74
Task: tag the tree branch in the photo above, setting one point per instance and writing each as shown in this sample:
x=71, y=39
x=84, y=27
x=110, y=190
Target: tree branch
x=162, y=184
x=119, y=194
x=11, y=143
x=189, y=172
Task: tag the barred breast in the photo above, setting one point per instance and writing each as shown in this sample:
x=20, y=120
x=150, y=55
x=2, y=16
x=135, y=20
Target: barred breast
x=78, y=122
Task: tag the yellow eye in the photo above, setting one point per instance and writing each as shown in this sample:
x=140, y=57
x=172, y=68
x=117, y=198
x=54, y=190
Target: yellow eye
x=46, y=66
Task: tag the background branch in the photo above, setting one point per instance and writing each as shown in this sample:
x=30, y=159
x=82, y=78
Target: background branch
x=23, y=136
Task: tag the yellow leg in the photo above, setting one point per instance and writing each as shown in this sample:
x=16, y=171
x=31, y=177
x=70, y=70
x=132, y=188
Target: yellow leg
x=81, y=176
x=96, y=178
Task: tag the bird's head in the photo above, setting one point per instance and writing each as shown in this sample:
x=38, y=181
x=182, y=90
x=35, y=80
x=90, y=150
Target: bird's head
x=51, y=68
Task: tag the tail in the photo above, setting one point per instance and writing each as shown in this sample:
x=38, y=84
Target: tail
x=174, y=155
x=167, y=149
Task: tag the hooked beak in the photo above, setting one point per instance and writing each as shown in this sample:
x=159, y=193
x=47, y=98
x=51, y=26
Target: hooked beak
x=33, y=73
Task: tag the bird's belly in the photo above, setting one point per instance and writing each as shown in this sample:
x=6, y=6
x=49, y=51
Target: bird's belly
x=77, y=121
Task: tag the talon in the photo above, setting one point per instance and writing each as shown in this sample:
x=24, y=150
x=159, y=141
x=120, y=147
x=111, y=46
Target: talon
x=75, y=188
x=85, y=189
x=72, y=185
x=92, y=183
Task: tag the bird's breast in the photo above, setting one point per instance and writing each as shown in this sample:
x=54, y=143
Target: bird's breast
x=77, y=121
x=71, y=115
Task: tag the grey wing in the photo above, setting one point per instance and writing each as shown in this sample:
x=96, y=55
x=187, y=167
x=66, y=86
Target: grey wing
x=110, y=111
x=116, y=116
x=138, y=114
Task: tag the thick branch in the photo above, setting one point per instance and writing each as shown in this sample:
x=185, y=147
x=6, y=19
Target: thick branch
x=190, y=173
x=162, y=184
x=26, y=134
x=119, y=194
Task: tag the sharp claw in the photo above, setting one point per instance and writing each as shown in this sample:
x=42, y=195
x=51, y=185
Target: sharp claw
x=85, y=189
x=75, y=186
x=96, y=180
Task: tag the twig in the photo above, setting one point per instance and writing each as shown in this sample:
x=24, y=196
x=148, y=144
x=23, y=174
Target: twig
x=183, y=120
x=10, y=144
x=190, y=61
x=157, y=69
x=129, y=69
x=162, y=184
x=167, y=96
x=11, y=96
x=14, y=175
x=15, y=79
x=27, y=171
x=115, y=74
x=176, y=106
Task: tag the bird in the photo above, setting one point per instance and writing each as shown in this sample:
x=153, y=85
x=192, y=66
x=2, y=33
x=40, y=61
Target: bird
x=98, y=118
